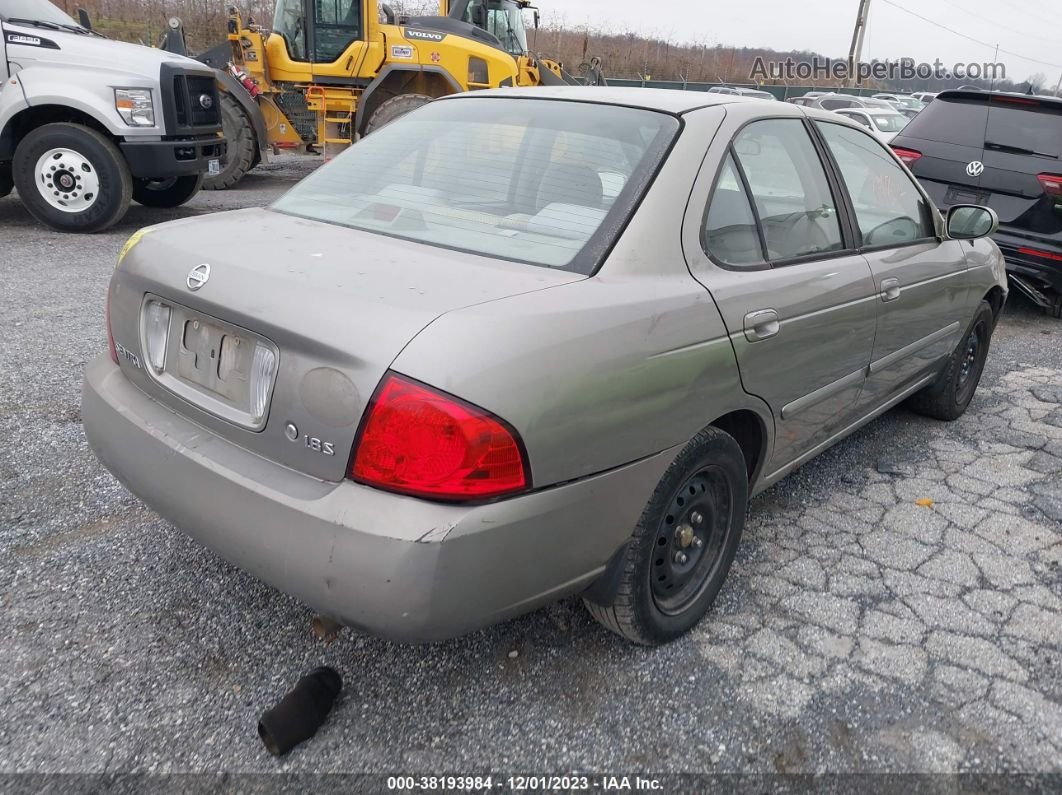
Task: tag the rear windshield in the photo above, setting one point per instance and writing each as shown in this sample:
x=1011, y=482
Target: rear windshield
x=537, y=181
x=1018, y=123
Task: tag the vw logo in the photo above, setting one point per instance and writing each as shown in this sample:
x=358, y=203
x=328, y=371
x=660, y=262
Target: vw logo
x=206, y=101
x=976, y=168
x=292, y=432
x=198, y=276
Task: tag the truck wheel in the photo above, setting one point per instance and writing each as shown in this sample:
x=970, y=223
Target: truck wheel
x=5, y=179
x=393, y=108
x=681, y=551
x=72, y=178
x=240, y=146
x=172, y=192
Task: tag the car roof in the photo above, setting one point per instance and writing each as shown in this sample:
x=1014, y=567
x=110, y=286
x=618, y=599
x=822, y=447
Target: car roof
x=957, y=93
x=668, y=100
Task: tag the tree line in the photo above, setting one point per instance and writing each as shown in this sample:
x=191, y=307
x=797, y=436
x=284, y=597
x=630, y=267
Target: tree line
x=629, y=55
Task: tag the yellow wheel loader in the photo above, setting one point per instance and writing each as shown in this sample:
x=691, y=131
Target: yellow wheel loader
x=330, y=71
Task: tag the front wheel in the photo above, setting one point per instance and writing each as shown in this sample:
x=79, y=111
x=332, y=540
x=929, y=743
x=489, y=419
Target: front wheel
x=170, y=192
x=72, y=178
x=948, y=397
x=675, y=563
x=393, y=108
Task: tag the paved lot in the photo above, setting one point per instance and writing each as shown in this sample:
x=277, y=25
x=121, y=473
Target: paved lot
x=859, y=630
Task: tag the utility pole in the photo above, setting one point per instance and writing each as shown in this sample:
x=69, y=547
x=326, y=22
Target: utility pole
x=855, y=54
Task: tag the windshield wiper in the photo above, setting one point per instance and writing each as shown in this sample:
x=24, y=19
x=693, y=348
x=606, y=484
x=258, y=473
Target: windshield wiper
x=36, y=23
x=47, y=25
x=1018, y=150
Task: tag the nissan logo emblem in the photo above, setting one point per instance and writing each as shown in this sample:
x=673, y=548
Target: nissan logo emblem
x=198, y=276
x=206, y=101
x=976, y=168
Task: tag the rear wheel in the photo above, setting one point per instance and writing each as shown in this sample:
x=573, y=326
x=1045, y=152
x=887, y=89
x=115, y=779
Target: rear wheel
x=1054, y=309
x=949, y=396
x=72, y=178
x=240, y=146
x=393, y=108
x=171, y=192
x=684, y=544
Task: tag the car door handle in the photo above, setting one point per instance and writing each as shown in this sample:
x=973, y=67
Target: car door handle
x=890, y=289
x=761, y=325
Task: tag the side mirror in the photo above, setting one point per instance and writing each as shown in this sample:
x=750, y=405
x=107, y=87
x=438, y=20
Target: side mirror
x=83, y=19
x=538, y=19
x=971, y=221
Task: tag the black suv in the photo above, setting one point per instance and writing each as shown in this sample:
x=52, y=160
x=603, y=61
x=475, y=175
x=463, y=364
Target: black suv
x=1004, y=151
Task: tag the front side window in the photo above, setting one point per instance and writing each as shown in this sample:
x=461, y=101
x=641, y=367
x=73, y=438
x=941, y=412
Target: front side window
x=337, y=23
x=889, y=208
x=789, y=188
x=289, y=23
x=527, y=180
x=730, y=233
x=502, y=18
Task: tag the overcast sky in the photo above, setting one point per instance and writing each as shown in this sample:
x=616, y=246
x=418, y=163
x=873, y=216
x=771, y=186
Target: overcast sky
x=1028, y=29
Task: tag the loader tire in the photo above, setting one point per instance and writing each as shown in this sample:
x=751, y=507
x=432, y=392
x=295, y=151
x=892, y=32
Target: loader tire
x=393, y=108
x=240, y=146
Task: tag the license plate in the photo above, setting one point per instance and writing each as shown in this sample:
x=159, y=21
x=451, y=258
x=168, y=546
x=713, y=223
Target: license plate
x=214, y=167
x=959, y=196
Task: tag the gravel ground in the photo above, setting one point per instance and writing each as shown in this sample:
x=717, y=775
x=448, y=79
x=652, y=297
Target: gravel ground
x=858, y=631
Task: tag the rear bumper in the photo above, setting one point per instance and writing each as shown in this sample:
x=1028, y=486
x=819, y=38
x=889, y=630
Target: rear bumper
x=172, y=158
x=394, y=566
x=1046, y=271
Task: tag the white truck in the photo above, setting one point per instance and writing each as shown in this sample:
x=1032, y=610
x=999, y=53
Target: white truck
x=88, y=124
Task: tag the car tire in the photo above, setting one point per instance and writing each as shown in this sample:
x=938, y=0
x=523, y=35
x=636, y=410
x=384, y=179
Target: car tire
x=171, y=192
x=393, y=108
x=672, y=568
x=948, y=397
x=1054, y=309
x=240, y=146
x=98, y=177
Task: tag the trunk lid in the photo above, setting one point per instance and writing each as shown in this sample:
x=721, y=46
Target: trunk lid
x=334, y=307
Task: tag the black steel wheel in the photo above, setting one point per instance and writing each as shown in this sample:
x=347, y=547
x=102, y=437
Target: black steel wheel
x=676, y=561
x=948, y=397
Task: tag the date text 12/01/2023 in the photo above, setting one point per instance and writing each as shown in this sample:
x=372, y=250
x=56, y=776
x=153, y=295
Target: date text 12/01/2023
x=523, y=783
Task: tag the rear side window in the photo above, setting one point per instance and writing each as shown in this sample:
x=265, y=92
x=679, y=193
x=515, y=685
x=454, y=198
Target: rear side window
x=889, y=208
x=730, y=233
x=525, y=180
x=789, y=188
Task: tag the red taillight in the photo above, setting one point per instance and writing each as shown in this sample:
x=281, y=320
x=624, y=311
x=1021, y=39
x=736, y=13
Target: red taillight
x=107, y=322
x=1035, y=252
x=1052, y=184
x=908, y=156
x=418, y=441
